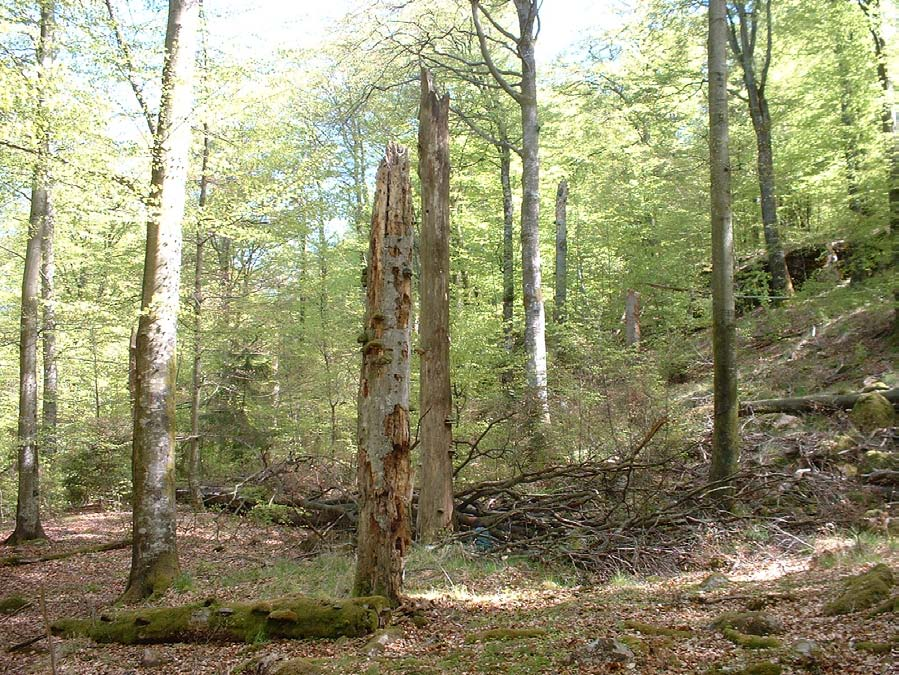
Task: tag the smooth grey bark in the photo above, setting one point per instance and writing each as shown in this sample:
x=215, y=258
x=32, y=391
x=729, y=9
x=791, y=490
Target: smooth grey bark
x=524, y=93
x=743, y=37
x=726, y=430
x=154, y=557
x=561, y=271
x=28, y=513
x=384, y=472
x=632, y=318
x=196, y=377
x=888, y=121
x=435, y=501
x=50, y=403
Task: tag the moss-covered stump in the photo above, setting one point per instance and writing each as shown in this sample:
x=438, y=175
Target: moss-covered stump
x=291, y=617
x=862, y=591
x=872, y=411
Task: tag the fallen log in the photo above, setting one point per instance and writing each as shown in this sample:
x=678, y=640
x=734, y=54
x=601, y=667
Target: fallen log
x=811, y=403
x=292, y=617
x=14, y=560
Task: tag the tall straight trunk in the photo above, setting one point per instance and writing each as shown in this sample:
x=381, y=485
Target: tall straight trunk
x=632, y=318
x=196, y=380
x=505, y=167
x=532, y=285
x=435, y=502
x=50, y=405
x=384, y=471
x=888, y=123
x=559, y=310
x=725, y=432
x=524, y=92
x=154, y=556
x=28, y=512
x=743, y=32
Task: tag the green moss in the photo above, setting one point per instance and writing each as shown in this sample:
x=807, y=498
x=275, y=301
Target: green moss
x=298, y=666
x=762, y=668
x=873, y=647
x=750, y=641
x=292, y=617
x=751, y=623
x=505, y=634
x=649, y=629
x=878, y=460
x=862, y=591
x=12, y=603
x=872, y=411
x=637, y=645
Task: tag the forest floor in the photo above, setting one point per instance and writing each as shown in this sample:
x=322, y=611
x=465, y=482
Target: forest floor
x=458, y=595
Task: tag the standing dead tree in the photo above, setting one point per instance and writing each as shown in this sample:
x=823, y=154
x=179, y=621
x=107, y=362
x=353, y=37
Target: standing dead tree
x=384, y=472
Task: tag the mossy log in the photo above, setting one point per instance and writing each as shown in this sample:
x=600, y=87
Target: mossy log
x=815, y=402
x=291, y=617
x=862, y=591
x=13, y=560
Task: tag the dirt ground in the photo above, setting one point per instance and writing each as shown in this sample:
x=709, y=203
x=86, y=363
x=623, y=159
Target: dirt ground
x=457, y=596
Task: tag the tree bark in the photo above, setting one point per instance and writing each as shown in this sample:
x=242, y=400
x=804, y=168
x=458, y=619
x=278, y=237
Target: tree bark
x=154, y=560
x=291, y=617
x=50, y=407
x=559, y=310
x=525, y=95
x=811, y=403
x=505, y=166
x=196, y=380
x=743, y=31
x=383, y=464
x=28, y=515
x=632, y=318
x=435, y=504
x=726, y=430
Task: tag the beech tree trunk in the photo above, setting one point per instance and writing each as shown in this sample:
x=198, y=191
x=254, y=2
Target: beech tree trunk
x=154, y=558
x=725, y=431
x=505, y=166
x=435, y=502
x=743, y=32
x=632, y=318
x=28, y=513
x=525, y=95
x=559, y=313
x=50, y=408
x=384, y=472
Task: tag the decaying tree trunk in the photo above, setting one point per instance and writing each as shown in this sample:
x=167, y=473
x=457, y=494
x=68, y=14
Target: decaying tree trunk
x=292, y=617
x=383, y=466
x=726, y=424
x=28, y=514
x=559, y=309
x=632, y=317
x=154, y=558
x=435, y=504
x=815, y=402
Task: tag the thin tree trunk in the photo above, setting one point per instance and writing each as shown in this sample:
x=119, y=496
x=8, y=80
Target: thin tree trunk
x=525, y=95
x=95, y=363
x=725, y=432
x=743, y=31
x=383, y=466
x=632, y=318
x=435, y=502
x=28, y=514
x=50, y=407
x=154, y=559
x=532, y=293
x=505, y=167
x=560, y=309
x=196, y=380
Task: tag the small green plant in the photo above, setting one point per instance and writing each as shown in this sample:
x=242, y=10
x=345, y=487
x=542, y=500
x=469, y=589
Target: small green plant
x=183, y=583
